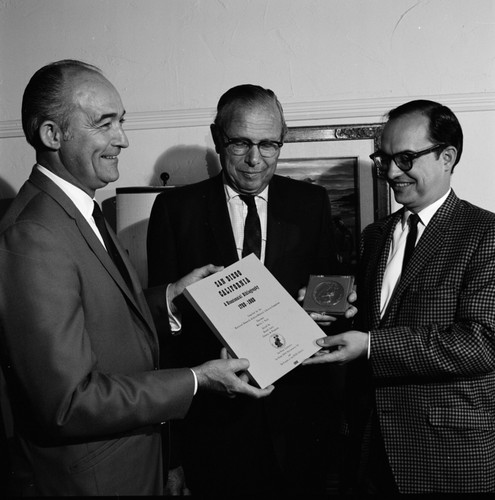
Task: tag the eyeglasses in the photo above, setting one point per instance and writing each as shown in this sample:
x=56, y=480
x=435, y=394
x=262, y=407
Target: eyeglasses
x=240, y=147
x=403, y=160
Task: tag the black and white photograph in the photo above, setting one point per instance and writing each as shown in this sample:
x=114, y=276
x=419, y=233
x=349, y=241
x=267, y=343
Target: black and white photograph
x=342, y=148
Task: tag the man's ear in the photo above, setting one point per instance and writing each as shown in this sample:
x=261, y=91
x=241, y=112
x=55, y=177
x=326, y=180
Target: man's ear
x=449, y=155
x=50, y=135
x=215, y=133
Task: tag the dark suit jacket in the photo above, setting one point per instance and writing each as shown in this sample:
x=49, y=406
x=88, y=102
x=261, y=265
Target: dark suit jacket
x=80, y=354
x=432, y=358
x=190, y=227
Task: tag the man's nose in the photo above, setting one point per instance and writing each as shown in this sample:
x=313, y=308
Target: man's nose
x=121, y=138
x=253, y=156
x=393, y=170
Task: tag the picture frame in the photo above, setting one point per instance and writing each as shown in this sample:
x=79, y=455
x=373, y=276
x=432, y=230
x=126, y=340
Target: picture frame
x=337, y=158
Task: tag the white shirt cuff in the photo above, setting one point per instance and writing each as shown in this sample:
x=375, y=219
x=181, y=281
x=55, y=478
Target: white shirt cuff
x=174, y=315
x=195, y=382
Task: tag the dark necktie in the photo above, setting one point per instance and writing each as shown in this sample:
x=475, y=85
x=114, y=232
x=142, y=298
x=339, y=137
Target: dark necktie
x=252, y=228
x=411, y=238
x=109, y=244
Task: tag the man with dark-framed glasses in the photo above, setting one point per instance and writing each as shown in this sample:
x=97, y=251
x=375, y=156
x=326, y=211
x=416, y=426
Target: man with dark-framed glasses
x=235, y=447
x=404, y=160
x=421, y=377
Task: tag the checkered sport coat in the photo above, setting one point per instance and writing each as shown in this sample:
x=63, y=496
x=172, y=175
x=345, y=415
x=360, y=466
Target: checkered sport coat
x=432, y=361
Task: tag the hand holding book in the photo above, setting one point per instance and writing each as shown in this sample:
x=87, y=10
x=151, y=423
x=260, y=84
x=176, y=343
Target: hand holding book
x=256, y=318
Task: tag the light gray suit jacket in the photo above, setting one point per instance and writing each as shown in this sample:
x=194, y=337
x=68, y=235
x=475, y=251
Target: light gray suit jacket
x=80, y=354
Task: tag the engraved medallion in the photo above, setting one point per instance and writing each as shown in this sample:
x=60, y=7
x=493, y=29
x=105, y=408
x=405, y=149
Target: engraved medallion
x=328, y=293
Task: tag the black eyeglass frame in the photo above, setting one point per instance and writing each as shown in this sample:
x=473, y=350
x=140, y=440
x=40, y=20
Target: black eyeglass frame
x=404, y=159
x=231, y=141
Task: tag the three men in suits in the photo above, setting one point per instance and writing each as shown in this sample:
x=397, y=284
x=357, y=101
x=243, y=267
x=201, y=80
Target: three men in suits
x=239, y=446
x=422, y=377
x=78, y=344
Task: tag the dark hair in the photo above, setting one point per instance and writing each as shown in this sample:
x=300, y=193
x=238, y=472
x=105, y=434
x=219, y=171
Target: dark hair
x=45, y=98
x=444, y=127
x=248, y=95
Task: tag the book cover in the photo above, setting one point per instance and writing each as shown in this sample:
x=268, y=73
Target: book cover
x=255, y=318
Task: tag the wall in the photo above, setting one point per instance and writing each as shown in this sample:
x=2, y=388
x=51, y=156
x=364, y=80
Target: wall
x=329, y=61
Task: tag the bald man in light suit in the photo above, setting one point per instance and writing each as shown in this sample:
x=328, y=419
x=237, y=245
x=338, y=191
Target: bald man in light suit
x=78, y=343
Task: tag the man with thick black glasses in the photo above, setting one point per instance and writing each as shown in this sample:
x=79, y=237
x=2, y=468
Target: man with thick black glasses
x=421, y=383
x=234, y=447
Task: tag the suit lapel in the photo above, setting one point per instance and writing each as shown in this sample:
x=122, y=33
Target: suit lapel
x=134, y=296
x=219, y=221
x=378, y=263
x=276, y=228
x=429, y=243
x=105, y=259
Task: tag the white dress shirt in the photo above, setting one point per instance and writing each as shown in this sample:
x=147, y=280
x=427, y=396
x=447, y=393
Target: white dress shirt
x=396, y=255
x=238, y=212
x=82, y=201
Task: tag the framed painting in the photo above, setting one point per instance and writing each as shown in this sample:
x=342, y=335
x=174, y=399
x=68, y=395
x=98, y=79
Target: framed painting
x=337, y=158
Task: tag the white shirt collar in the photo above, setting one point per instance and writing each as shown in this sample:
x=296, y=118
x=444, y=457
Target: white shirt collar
x=427, y=213
x=81, y=200
x=231, y=193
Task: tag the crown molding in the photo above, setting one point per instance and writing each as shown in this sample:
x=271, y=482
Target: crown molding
x=328, y=111
x=378, y=107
